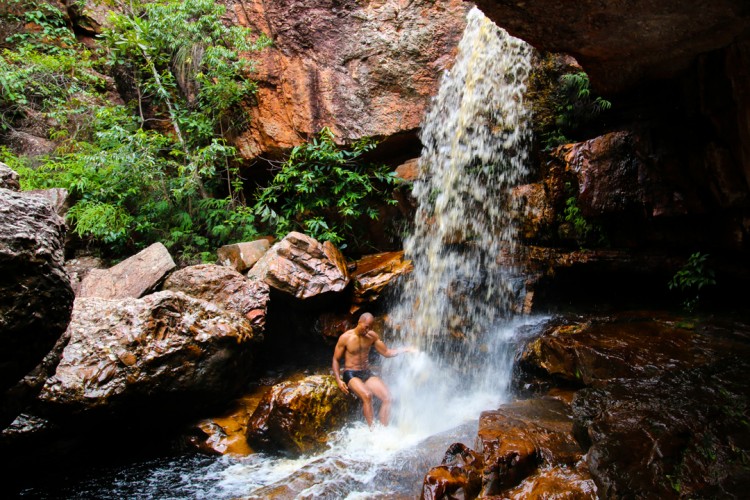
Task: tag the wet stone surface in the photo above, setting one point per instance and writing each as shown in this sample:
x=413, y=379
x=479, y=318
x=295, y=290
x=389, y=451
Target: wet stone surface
x=663, y=408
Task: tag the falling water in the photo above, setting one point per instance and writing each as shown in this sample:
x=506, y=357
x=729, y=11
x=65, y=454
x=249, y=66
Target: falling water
x=457, y=305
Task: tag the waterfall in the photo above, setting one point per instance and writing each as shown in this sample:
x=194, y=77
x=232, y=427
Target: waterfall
x=457, y=305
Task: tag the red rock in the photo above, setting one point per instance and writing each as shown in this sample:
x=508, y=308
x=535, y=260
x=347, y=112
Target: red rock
x=363, y=69
x=301, y=267
x=373, y=273
x=299, y=416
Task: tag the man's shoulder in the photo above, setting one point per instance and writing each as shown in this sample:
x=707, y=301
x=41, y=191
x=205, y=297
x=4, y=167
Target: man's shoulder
x=346, y=335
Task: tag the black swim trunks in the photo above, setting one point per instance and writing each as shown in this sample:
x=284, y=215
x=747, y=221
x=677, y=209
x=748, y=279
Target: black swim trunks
x=363, y=375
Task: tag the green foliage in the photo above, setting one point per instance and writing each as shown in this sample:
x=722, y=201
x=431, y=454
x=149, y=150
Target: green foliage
x=46, y=71
x=132, y=183
x=692, y=278
x=573, y=215
x=322, y=190
x=574, y=107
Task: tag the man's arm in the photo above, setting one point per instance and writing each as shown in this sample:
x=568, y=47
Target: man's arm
x=384, y=351
x=337, y=353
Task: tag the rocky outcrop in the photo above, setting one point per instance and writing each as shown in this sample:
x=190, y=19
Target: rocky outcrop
x=57, y=197
x=525, y=445
x=360, y=68
x=168, y=352
x=298, y=416
x=225, y=288
x=9, y=178
x=664, y=399
x=301, y=267
x=36, y=298
x=133, y=277
x=242, y=256
x=621, y=44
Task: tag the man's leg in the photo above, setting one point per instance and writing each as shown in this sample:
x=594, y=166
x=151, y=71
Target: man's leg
x=381, y=392
x=358, y=387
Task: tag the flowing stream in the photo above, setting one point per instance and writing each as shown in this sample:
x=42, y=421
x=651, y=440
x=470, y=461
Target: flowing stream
x=457, y=307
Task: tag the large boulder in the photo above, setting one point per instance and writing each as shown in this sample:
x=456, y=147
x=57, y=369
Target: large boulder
x=301, y=267
x=361, y=68
x=168, y=352
x=36, y=298
x=622, y=43
x=133, y=277
x=298, y=416
x=226, y=288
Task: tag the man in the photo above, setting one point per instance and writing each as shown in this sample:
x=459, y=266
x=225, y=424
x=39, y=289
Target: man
x=354, y=345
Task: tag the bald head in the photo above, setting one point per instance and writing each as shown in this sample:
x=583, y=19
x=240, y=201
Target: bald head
x=366, y=319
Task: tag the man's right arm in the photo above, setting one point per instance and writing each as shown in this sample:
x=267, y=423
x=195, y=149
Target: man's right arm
x=337, y=353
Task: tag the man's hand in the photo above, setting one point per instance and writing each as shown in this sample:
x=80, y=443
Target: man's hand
x=411, y=349
x=343, y=386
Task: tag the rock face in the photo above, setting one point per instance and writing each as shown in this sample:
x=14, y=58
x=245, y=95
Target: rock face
x=361, y=68
x=225, y=288
x=664, y=402
x=298, y=416
x=301, y=267
x=620, y=44
x=36, y=298
x=133, y=277
x=168, y=352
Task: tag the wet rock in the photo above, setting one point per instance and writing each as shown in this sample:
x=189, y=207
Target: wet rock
x=133, y=277
x=460, y=475
x=301, y=267
x=165, y=352
x=36, y=298
x=664, y=414
x=331, y=325
x=561, y=483
x=298, y=416
x=537, y=209
x=227, y=434
x=519, y=437
x=681, y=435
x=600, y=35
x=373, y=273
x=610, y=174
x=226, y=288
x=595, y=351
x=364, y=69
x=242, y=256
x=9, y=178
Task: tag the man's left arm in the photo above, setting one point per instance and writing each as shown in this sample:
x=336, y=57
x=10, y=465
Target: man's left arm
x=383, y=349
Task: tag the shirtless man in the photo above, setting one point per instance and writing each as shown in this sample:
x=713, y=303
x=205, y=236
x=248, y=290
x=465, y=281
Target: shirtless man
x=355, y=345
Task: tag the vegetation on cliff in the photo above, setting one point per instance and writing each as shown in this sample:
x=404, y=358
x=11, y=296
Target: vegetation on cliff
x=160, y=166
